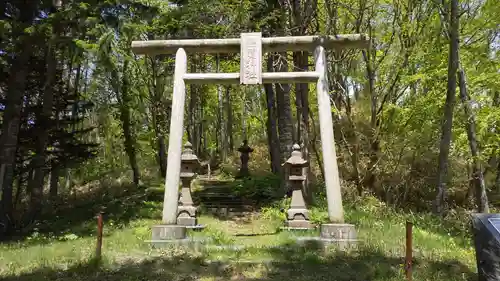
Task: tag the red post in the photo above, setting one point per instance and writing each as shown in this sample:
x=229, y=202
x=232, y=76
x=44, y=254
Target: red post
x=99, y=236
x=409, y=250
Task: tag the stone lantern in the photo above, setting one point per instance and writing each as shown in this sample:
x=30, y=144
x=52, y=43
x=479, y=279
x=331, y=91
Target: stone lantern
x=297, y=215
x=186, y=212
x=245, y=151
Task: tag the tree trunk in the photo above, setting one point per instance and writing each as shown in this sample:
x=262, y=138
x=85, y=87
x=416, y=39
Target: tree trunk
x=126, y=125
x=302, y=106
x=162, y=155
x=160, y=139
x=444, y=147
x=54, y=187
x=285, y=126
x=480, y=187
x=200, y=126
x=221, y=136
x=12, y=115
x=67, y=179
x=272, y=133
x=354, y=146
x=74, y=113
x=493, y=161
x=497, y=178
x=244, y=113
x=19, y=191
x=54, y=181
x=314, y=135
x=35, y=183
x=229, y=128
x=155, y=94
x=74, y=116
x=192, y=128
x=371, y=178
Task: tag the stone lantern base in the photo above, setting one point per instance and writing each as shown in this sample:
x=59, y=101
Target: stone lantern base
x=298, y=224
x=187, y=221
x=298, y=219
x=187, y=216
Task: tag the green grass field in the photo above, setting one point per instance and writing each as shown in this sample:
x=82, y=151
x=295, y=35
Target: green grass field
x=442, y=251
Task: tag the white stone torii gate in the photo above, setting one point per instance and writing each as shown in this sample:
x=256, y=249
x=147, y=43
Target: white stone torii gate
x=251, y=46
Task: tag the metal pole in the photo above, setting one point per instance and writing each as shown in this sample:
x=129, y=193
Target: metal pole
x=409, y=250
x=99, y=236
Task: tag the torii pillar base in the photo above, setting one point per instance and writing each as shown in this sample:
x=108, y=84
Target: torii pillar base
x=166, y=234
x=342, y=235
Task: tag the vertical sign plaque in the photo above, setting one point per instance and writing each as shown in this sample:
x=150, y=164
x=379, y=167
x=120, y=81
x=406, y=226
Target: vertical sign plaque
x=251, y=58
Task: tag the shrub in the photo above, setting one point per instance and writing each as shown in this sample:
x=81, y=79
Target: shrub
x=260, y=189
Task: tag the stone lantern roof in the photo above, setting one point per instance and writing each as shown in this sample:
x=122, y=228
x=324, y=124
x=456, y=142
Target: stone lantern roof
x=296, y=159
x=190, y=160
x=188, y=155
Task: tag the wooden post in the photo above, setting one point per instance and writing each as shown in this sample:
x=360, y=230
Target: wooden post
x=171, y=198
x=99, y=236
x=409, y=250
x=331, y=172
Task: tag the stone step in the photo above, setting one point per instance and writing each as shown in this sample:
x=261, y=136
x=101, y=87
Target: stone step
x=212, y=193
x=225, y=205
x=222, y=200
x=232, y=208
x=218, y=197
x=229, y=212
x=216, y=189
x=210, y=182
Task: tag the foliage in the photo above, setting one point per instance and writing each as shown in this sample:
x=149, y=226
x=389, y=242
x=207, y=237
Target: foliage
x=276, y=212
x=218, y=237
x=262, y=189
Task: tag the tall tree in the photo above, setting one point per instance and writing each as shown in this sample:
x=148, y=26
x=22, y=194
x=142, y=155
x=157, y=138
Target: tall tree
x=477, y=168
x=19, y=68
x=272, y=133
x=447, y=123
x=121, y=88
x=35, y=184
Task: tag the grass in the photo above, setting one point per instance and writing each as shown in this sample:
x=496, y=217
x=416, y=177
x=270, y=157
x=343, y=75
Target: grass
x=64, y=250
